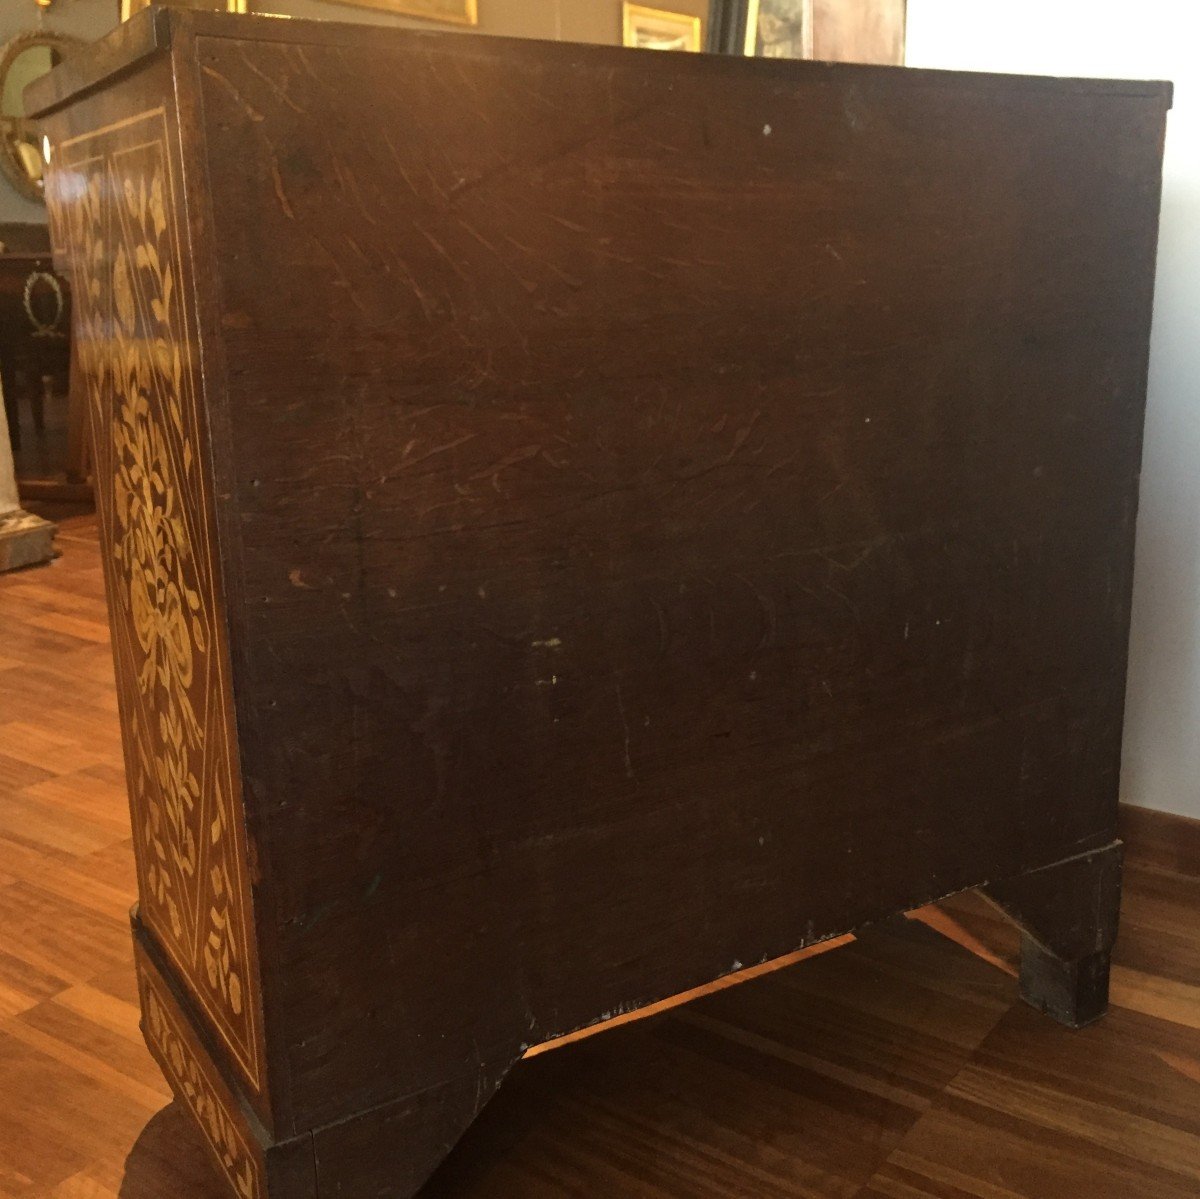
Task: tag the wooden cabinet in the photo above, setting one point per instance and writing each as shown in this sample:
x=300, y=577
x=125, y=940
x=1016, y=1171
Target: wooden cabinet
x=579, y=522
x=35, y=309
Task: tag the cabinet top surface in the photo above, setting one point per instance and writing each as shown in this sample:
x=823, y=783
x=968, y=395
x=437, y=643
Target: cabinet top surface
x=155, y=30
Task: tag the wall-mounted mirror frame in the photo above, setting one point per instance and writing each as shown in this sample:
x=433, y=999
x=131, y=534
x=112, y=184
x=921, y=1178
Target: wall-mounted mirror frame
x=20, y=143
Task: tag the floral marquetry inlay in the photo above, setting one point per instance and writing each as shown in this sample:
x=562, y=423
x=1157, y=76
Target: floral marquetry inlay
x=192, y=1082
x=113, y=195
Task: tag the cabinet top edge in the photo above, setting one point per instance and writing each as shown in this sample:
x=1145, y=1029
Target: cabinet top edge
x=95, y=65
x=154, y=30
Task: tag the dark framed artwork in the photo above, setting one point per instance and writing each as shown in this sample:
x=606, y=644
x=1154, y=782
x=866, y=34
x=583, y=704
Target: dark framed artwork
x=780, y=29
x=763, y=28
x=863, y=31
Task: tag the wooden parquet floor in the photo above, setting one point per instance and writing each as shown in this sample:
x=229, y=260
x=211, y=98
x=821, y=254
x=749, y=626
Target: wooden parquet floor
x=902, y=1066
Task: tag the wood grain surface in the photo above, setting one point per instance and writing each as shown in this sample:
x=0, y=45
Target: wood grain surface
x=721, y=530
x=137, y=373
x=589, y=522
x=900, y=1067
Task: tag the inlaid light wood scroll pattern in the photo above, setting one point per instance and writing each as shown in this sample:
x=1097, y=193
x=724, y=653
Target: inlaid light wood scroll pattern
x=137, y=360
x=208, y=1101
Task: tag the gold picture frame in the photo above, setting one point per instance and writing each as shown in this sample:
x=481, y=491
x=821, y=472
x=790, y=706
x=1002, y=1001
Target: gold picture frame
x=451, y=12
x=130, y=7
x=657, y=29
x=23, y=152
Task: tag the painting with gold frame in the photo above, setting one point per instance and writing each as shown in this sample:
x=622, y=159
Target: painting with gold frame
x=656, y=29
x=453, y=12
x=129, y=7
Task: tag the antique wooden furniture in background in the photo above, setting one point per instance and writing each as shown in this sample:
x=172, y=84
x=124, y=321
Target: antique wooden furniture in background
x=35, y=347
x=580, y=522
x=25, y=539
x=34, y=308
x=24, y=237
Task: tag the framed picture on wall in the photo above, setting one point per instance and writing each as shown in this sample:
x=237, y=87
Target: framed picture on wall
x=129, y=7
x=454, y=12
x=779, y=28
x=656, y=29
x=868, y=31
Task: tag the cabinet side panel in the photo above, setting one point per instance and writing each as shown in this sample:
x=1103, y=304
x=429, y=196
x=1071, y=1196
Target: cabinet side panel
x=685, y=512
x=113, y=191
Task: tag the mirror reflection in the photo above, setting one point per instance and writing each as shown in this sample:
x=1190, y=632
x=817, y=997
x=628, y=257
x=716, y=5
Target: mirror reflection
x=22, y=152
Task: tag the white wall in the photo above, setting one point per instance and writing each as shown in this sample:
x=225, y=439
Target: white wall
x=1152, y=39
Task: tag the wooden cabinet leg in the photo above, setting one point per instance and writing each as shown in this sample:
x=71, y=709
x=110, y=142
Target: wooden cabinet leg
x=390, y=1152
x=1074, y=992
x=1068, y=914
x=37, y=403
x=384, y=1152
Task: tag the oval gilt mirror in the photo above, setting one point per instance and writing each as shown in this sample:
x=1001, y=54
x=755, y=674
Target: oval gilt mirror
x=22, y=60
